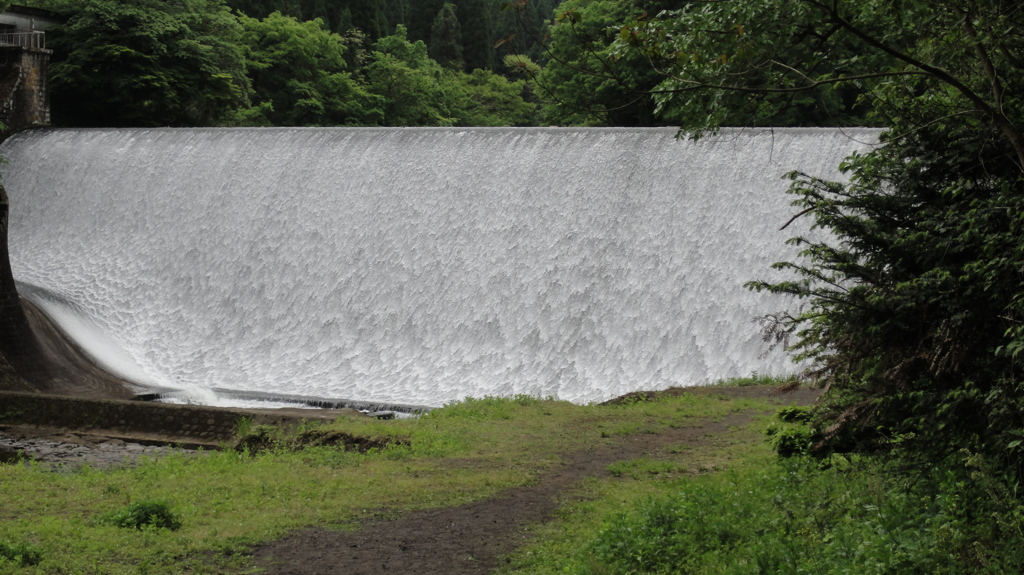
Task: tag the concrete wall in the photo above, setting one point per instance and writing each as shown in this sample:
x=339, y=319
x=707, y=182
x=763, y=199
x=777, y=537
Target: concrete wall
x=19, y=349
x=24, y=95
x=189, y=424
x=25, y=18
x=34, y=354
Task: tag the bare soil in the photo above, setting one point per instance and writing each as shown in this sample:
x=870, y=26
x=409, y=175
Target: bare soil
x=475, y=538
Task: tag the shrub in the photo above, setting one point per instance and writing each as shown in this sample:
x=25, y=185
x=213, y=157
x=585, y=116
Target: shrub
x=795, y=436
x=256, y=439
x=155, y=514
x=791, y=440
x=912, y=308
x=22, y=554
x=794, y=414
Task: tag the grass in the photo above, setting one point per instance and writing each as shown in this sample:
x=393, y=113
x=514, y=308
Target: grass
x=762, y=514
x=754, y=379
x=724, y=505
x=563, y=545
x=496, y=443
x=145, y=514
x=19, y=554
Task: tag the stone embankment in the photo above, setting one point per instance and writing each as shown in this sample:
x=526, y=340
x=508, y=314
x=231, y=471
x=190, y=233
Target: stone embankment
x=68, y=432
x=70, y=451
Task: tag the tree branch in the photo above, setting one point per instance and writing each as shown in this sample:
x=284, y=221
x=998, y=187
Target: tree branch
x=1009, y=130
x=697, y=85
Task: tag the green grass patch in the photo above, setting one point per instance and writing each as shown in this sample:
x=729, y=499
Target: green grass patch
x=226, y=501
x=19, y=554
x=146, y=514
x=754, y=380
x=745, y=510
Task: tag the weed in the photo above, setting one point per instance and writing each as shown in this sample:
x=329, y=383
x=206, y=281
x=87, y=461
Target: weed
x=21, y=554
x=151, y=513
x=635, y=397
x=794, y=414
x=11, y=415
x=794, y=436
x=754, y=379
x=256, y=439
x=244, y=426
x=643, y=468
x=791, y=440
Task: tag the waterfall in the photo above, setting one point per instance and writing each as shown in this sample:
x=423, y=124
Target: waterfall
x=414, y=265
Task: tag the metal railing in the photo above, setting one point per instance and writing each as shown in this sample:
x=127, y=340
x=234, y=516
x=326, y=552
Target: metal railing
x=26, y=39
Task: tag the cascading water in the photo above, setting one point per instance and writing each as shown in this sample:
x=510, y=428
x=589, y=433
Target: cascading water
x=410, y=265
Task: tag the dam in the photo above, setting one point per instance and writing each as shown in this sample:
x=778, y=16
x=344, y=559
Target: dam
x=411, y=266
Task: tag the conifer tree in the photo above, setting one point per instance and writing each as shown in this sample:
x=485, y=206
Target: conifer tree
x=477, y=34
x=445, y=45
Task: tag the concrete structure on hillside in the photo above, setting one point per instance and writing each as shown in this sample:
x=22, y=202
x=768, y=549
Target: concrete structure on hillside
x=22, y=18
x=24, y=102
x=24, y=59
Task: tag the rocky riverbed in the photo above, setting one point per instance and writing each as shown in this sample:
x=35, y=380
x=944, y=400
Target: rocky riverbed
x=69, y=451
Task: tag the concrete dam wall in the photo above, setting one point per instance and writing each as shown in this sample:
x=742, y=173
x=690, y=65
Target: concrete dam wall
x=414, y=266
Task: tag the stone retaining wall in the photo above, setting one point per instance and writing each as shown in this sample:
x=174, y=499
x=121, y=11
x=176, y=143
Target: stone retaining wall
x=184, y=423
x=24, y=97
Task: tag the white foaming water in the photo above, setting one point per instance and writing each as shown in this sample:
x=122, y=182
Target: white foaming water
x=411, y=265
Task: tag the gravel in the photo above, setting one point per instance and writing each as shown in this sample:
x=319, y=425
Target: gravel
x=73, y=452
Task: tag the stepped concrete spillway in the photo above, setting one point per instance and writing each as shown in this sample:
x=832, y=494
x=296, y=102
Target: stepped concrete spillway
x=411, y=266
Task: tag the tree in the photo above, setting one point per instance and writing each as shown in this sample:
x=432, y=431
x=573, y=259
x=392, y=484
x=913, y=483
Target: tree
x=299, y=76
x=914, y=308
x=420, y=18
x=522, y=27
x=883, y=53
x=583, y=83
x=446, y=38
x=145, y=63
x=417, y=91
x=478, y=37
x=338, y=17
x=492, y=100
x=409, y=82
x=370, y=16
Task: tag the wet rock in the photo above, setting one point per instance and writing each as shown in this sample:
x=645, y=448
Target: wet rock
x=65, y=455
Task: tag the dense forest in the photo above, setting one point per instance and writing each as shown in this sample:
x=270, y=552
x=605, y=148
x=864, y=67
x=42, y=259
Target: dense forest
x=370, y=63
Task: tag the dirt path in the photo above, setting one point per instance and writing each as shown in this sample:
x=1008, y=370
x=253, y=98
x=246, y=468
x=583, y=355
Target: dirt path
x=472, y=539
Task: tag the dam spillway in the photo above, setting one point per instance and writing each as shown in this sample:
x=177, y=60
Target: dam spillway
x=413, y=266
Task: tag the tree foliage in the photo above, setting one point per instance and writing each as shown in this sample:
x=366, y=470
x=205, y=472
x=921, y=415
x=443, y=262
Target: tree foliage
x=417, y=91
x=299, y=76
x=755, y=63
x=145, y=63
x=913, y=306
x=193, y=63
x=522, y=26
x=446, y=38
x=337, y=17
x=912, y=314
x=583, y=82
x=409, y=82
x=492, y=100
x=478, y=38
x=609, y=62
